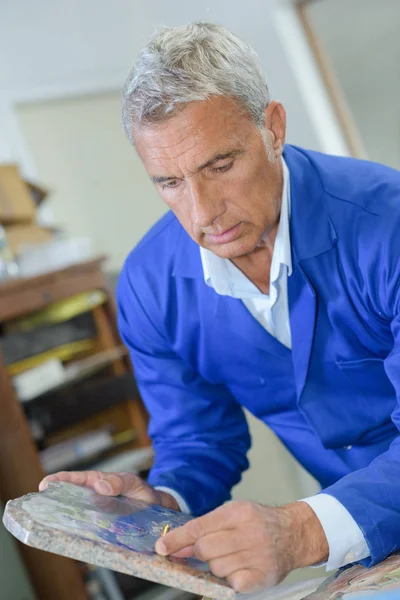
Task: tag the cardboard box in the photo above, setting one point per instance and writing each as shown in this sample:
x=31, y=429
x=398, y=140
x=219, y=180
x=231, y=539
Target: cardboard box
x=20, y=235
x=38, y=192
x=17, y=204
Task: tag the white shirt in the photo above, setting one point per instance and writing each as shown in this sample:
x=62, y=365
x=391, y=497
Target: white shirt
x=345, y=539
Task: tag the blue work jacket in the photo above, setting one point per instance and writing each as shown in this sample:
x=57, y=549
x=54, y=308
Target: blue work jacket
x=333, y=399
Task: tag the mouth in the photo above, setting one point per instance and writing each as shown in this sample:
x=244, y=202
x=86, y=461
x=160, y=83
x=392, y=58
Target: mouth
x=225, y=237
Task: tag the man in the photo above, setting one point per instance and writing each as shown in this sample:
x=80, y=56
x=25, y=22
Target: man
x=273, y=284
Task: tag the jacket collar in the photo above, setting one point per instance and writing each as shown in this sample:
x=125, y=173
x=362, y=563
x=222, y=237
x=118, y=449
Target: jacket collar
x=311, y=230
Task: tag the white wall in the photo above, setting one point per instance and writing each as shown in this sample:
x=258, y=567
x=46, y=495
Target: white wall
x=50, y=50
x=99, y=187
x=364, y=51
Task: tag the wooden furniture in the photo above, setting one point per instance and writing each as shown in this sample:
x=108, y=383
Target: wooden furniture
x=54, y=577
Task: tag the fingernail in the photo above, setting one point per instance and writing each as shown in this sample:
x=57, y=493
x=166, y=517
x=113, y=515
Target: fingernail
x=161, y=548
x=104, y=487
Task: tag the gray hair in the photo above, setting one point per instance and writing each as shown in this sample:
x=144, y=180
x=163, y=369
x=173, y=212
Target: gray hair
x=192, y=63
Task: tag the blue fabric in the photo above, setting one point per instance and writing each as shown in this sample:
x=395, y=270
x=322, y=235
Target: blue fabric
x=200, y=357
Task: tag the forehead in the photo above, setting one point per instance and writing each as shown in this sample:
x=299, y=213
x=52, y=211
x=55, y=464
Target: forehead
x=199, y=129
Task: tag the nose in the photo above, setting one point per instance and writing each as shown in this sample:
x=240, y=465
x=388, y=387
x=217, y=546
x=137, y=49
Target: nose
x=205, y=209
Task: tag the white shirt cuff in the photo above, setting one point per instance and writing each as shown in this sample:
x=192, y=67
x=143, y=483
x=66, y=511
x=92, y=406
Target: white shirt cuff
x=181, y=502
x=346, y=541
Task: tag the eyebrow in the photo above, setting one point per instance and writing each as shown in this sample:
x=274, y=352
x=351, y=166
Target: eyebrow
x=208, y=163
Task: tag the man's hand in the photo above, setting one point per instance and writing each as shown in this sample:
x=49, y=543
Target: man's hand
x=114, y=484
x=251, y=545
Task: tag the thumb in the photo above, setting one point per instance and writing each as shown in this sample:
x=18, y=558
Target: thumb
x=117, y=484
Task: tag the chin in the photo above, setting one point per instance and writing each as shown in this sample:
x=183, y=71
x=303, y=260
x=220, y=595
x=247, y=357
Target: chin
x=234, y=250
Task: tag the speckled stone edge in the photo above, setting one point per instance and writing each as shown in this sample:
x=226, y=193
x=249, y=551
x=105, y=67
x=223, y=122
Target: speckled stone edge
x=153, y=568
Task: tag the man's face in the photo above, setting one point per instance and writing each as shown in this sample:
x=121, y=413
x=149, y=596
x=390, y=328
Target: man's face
x=211, y=167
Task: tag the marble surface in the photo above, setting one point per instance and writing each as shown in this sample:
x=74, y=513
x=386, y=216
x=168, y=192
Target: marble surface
x=119, y=534
x=116, y=533
x=357, y=581
x=352, y=583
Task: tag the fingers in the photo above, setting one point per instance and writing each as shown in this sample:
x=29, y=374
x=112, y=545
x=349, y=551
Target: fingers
x=243, y=569
x=117, y=484
x=106, y=484
x=185, y=552
x=178, y=539
x=246, y=581
x=213, y=546
x=224, y=518
x=86, y=478
x=205, y=548
x=238, y=540
x=226, y=552
x=224, y=566
x=219, y=544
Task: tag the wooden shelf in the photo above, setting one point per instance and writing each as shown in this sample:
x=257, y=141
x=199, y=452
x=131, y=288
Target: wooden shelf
x=73, y=404
x=20, y=469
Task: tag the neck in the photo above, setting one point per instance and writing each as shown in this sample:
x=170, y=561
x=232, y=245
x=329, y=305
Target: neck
x=256, y=266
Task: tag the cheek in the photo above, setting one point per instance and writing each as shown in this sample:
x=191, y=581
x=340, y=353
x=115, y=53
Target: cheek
x=253, y=195
x=174, y=199
x=180, y=206
x=244, y=199
x=246, y=190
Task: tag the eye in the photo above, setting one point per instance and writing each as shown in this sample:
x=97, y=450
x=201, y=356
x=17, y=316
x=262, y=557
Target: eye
x=169, y=184
x=224, y=168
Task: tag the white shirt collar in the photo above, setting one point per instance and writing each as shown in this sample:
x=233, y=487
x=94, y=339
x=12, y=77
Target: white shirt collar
x=227, y=280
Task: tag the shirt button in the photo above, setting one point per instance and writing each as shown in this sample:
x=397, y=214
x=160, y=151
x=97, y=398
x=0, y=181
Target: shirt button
x=347, y=447
x=350, y=557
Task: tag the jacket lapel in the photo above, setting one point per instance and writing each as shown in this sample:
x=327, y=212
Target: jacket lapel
x=302, y=310
x=311, y=234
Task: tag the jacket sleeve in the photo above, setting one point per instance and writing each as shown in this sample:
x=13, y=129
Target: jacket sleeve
x=372, y=494
x=199, y=431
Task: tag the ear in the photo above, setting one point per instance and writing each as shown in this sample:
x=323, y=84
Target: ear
x=275, y=124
